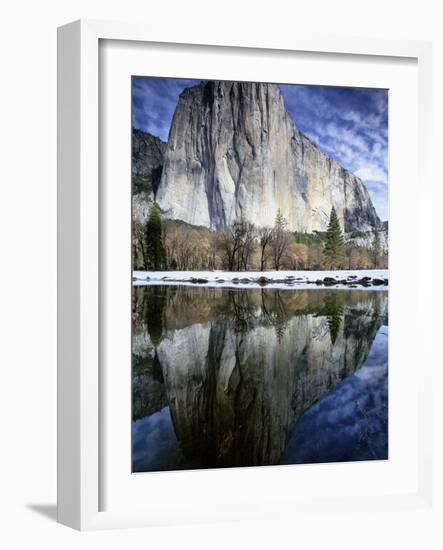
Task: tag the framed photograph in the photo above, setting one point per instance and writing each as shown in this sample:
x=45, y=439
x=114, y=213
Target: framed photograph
x=233, y=276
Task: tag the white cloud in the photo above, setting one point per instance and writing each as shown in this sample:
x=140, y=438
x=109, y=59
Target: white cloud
x=371, y=173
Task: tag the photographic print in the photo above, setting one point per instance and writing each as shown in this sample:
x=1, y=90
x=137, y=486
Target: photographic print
x=259, y=274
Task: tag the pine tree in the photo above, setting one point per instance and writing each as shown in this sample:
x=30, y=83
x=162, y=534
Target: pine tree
x=155, y=250
x=280, y=240
x=281, y=223
x=334, y=249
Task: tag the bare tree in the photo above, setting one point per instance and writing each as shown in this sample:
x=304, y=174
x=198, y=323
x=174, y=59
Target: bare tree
x=237, y=244
x=228, y=247
x=376, y=247
x=138, y=245
x=247, y=235
x=265, y=235
x=297, y=256
x=172, y=244
x=213, y=253
x=316, y=257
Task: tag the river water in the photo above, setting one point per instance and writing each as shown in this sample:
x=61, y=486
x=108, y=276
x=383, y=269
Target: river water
x=253, y=377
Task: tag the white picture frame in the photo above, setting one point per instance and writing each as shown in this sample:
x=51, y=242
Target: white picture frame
x=79, y=290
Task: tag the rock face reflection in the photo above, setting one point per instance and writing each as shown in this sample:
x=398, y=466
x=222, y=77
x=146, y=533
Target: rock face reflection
x=237, y=368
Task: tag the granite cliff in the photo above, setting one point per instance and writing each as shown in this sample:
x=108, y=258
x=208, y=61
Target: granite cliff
x=148, y=154
x=234, y=152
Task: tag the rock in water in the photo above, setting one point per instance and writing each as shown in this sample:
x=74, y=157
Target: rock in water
x=234, y=152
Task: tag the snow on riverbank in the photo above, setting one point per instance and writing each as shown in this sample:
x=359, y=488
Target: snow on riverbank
x=374, y=279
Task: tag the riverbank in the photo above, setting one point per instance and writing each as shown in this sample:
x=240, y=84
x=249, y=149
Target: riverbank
x=374, y=279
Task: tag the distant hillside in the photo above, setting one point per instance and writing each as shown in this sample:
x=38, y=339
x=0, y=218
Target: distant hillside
x=148, y=154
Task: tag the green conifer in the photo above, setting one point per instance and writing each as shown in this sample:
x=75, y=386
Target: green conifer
x=155, y=250
x=334, y=249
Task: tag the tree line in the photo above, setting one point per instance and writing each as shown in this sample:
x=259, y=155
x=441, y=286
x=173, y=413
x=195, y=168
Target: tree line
x=174, y=245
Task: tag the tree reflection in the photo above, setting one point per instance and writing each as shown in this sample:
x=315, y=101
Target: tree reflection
x=237, y=367
x=334, y=309
x=274, y=311
x=154, y=305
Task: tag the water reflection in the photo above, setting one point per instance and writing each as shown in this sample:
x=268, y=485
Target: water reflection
x=350, y=422
x=221, y=376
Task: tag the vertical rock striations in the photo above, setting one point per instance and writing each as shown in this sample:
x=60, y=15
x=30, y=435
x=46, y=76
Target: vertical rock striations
x=148, y=154
x=234, y=152
x=237, y=377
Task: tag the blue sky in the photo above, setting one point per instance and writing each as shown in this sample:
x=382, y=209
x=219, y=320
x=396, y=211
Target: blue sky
x=349, y=124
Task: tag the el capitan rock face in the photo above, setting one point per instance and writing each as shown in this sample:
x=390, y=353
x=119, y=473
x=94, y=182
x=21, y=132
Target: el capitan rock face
x=234, y=152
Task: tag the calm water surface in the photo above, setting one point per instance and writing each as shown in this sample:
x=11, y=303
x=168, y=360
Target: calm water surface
x=225, y=377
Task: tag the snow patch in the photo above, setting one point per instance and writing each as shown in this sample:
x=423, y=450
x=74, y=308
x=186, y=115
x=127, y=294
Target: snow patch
x=263, y=279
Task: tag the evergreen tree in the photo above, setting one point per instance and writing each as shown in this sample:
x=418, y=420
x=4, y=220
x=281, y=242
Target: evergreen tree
x=334, y=249
x=281, y=239
x=281, y=222
x=155, y=250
